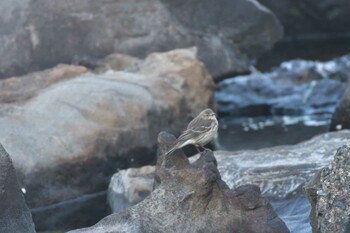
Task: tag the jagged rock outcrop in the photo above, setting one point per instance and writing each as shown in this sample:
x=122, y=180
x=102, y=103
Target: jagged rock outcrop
x=68, y=140
x=15, y=216
x=329, y=194
x=280, y=172
x=193, y=198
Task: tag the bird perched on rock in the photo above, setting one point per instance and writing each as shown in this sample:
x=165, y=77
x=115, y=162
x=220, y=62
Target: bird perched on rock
x=200, y=131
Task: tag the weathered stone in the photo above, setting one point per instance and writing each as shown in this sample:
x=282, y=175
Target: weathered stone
x=280, y=172
x=37, y=35
x=193, y=198
x=329, y=194
x=14, y=214
x=296, y=88
x=69, y=139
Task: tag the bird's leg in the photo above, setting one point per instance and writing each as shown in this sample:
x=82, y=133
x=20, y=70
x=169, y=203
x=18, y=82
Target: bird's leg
x=198, y=149
x=203, y=148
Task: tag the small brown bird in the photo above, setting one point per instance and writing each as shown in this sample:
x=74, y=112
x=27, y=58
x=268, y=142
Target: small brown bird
x=200, y=131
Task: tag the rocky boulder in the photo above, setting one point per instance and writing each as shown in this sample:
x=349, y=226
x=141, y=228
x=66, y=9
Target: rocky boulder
x=280, y=172
x=69, y=139
x=14, y=215
x=193, y=198
x=32, y=32
x=329, y=194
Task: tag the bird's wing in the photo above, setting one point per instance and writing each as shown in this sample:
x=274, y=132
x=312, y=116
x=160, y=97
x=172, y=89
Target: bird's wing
x=194, y=129
x=198, y=124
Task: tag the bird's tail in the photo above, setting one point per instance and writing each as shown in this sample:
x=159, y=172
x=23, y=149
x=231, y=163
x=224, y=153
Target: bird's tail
x=171, y=150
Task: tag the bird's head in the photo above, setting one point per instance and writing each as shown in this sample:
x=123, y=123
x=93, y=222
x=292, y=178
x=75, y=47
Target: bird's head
x=208, y=114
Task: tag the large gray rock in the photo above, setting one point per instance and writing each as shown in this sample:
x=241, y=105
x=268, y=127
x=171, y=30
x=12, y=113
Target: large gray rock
x=329, y=194
x=193, y=198
x=15, y=216
x=70, y=138
x=40, y=34
x=311, y=16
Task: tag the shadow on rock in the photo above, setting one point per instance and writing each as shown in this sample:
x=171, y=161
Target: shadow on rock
x=193, y=198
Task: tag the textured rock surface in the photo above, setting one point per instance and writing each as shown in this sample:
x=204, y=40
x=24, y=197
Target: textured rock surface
x=32, y=31
x=68, y=140
x=14, y=215
x=311, y=16
x=341, y=115
x=296, y=88
x=329, y=194
x=279, y=171
x=283, y=170
x=193, y=198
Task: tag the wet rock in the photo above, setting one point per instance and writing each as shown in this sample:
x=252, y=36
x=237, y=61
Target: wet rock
x=67, y=141
x=329, y=194
x=14, y=215
x=341, y=116
x=312, y=16
x=296, y=88
x=193, y=198
x=31, y=32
